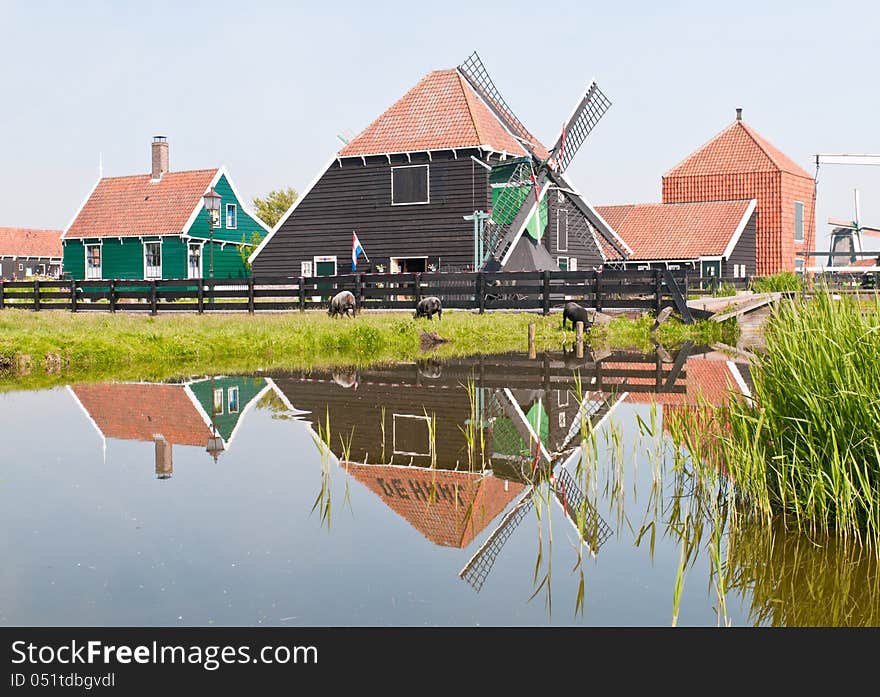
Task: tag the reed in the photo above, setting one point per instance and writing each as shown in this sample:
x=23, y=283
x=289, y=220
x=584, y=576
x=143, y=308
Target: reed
x=806, y=447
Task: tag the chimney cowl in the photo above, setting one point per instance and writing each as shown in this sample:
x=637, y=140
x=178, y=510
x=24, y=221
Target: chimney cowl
x=160, y=157
x=739, y=114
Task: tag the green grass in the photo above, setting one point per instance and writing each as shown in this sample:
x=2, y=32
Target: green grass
x=52, y=347
x=806, y=449
x=780, y=282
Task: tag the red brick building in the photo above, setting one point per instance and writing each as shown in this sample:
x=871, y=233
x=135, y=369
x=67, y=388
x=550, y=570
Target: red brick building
x=740, y=164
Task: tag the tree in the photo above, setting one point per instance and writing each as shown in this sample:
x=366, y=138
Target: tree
x=275, y=204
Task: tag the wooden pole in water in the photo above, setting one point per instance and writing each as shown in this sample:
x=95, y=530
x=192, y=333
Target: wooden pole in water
x=579, y=339
x=532, y=352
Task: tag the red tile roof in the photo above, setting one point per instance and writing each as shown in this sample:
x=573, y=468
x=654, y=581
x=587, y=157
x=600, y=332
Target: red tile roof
x=139, y=411
x=737, y=149
x=707, y=380
x=463, y=503
x=441, y=112
x=26, y=242
x=676, y=230
x=135, y=205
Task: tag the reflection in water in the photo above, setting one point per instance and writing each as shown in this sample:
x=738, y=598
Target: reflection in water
x=489, y=458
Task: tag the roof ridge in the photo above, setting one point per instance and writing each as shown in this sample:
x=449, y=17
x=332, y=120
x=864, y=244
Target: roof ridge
x=760, y=141
x=467, y=101
x=698, y=149
x=176, y=171
x=748, y=130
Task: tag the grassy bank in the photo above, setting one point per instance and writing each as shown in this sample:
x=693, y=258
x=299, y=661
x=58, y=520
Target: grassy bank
x=806, y=449
x=40, y=349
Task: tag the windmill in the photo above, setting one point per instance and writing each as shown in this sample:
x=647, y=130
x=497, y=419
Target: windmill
x=565, y=489
x=846, y=237
x=520, y=186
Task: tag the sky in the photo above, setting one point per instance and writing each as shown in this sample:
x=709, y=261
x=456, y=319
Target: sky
x=267, y=88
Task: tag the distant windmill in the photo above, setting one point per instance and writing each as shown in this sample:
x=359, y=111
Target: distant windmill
x=846, y=237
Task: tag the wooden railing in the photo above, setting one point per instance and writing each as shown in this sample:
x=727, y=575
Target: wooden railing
x=535, y=291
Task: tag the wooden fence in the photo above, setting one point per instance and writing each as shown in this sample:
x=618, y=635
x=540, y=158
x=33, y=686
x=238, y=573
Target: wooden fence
x=534, y=291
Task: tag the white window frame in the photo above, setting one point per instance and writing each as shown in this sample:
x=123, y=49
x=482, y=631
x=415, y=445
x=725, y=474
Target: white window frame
x=394, y=418
x=326, y=258
x=21, y=267
x=100, y=268
x=803, y=221
x=394, y=263
x=201, y=246
x=217, y=399
x=234, y=208
x=229, y=402
x=572, y=264
x=798, y=265
x=306, y=269
x=150, y=242
x=559, y=212
x=427, y=187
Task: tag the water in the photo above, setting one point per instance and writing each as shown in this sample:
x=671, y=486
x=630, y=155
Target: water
x=213, y=502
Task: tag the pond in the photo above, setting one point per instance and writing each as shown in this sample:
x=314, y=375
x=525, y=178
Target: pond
x=499, y=490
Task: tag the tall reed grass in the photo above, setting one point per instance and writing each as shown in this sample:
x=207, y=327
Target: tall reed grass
x=806, y=447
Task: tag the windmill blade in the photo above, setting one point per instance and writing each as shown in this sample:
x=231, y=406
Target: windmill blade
x=574, y=502
x=871, y=231
x=476, y=74
x=839, y=222
x=478, y=567
x=591, y=107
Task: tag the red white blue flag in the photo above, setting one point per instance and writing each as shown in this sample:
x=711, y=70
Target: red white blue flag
x=356, y=250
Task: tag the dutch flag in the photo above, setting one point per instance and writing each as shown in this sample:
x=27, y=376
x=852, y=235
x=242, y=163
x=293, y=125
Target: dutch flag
x=356, y=250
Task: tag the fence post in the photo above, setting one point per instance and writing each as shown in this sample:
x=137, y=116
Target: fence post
x=73, y=295
x=658, y=291
x=2, y=293
x=36, y=296
x=418, y=293
x=251, y=295
x=545, y=294
x=597, y=275
x=481, y=292
x=201, y=296
x=153, y=305
x=302, y=294
x=113, y=295
x=358, y=290
x=686, y=293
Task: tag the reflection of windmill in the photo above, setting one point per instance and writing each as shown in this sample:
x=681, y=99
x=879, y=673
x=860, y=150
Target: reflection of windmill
x=846, y=237
x=566, y=491
x=520, y=186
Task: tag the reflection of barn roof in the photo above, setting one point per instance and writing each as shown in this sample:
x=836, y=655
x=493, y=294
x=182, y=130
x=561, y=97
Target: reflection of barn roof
x=139, y=411
x=448, y=508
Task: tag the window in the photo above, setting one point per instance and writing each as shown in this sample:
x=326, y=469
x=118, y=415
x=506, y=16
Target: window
x=409, y=185
x=218, y=401
x=562, y=262
x=562, y=230
x=798, y=221
x=231, y=216
x=41, y=269
x=232, y=400
x=93, y=261
x=194, y=260
x=215, y=218
x=305, y=269
x=799, y=265
x=152, y=260
x=21, y=267
x=572, y=264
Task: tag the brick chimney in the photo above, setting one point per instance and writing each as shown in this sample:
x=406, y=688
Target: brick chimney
x=739, y=114
x=160, y=157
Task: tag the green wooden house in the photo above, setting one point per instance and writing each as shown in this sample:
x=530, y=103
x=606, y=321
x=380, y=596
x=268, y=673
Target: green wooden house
x=155, y=226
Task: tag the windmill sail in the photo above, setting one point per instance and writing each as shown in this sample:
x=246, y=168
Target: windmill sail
x=591, y=107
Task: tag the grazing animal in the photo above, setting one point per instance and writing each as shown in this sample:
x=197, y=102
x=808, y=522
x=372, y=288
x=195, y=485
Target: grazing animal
x=575, y=313
x=428, y=307
x=342, y=304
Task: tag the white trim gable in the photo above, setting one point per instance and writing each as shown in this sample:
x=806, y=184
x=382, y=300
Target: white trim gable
x=299, y=199
x=739, y=228
x=200, y=204
x=80, y=209
x=536, y=210
x=576, y=192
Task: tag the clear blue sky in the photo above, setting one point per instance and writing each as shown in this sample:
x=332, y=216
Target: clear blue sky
x=265, y=87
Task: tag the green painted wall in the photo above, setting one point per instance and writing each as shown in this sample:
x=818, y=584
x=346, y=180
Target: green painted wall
x=125, y=259
x=248, y=389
